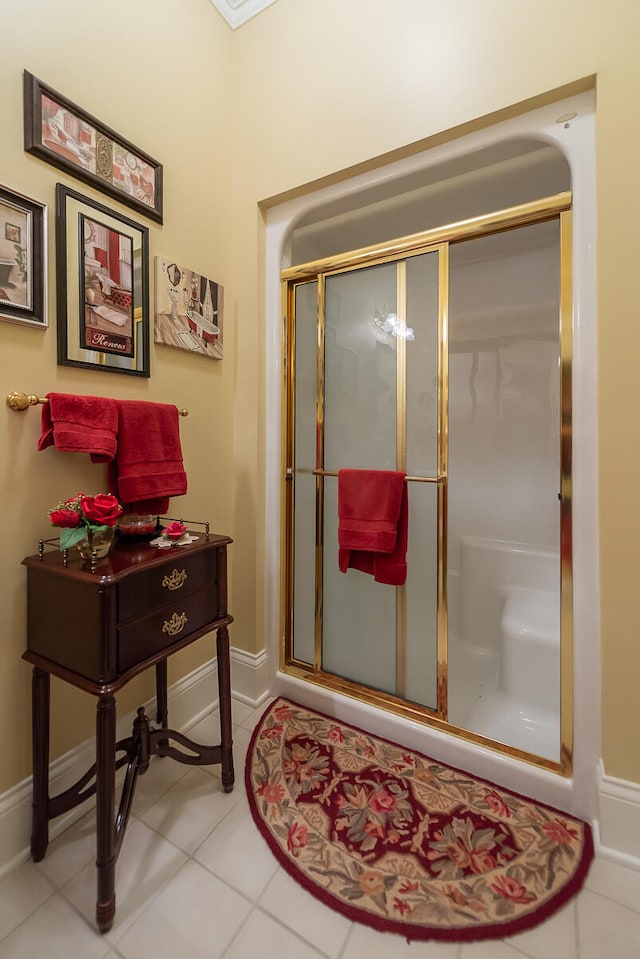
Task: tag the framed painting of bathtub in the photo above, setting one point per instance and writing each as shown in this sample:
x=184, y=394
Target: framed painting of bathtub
x=63, y=134
x=189, y=311
x=23, y=259
x=102, y=268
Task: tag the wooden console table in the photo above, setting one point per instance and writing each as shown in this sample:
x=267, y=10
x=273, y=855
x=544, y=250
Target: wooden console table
x=98, y=627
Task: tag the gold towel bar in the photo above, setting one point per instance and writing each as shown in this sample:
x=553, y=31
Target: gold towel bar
x=21, y=401
x=408, y=479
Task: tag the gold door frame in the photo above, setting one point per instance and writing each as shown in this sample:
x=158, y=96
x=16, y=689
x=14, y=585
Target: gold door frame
x=557, y=207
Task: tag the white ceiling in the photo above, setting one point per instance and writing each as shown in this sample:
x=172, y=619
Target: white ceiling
x=237, y=12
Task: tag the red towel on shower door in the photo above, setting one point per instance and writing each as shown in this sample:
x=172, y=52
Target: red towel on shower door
x=373, y=524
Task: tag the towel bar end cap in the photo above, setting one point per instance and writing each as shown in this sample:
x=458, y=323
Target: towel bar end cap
x=22, y=401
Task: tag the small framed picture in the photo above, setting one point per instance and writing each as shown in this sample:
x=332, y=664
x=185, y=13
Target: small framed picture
x=189, y=310
x=102, y=267
x=65, y=135
x=23, y=259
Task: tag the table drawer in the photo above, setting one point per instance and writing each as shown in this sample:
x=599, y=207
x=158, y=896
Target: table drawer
x=180, y=576
x=150, y=634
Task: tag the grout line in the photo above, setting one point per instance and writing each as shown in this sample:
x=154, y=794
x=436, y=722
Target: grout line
x=287, y=928
x=347, y=940
x=576, y=926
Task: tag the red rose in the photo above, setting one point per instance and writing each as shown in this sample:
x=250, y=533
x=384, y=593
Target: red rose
x=67, y=518
x=101, y=510
x=175, y=530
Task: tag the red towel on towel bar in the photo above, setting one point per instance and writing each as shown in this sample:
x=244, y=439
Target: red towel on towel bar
x=373, y=524
x=148, y=467
x=80, y=424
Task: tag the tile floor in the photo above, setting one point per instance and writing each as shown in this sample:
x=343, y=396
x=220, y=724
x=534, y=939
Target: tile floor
x=195, y=880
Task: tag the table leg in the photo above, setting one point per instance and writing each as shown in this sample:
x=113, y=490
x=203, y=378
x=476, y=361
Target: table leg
x=105, y=811
x=224, y=690
x=40, y=702
x=162, y=711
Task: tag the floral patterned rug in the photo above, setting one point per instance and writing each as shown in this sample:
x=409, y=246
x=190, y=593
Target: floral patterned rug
x=397, y=841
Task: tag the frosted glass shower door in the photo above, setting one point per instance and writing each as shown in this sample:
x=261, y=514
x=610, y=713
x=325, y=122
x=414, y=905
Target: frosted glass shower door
x=504, y=530
x=380, y=413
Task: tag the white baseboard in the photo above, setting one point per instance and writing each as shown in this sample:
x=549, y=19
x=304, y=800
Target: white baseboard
x=616, y=831
x=250, y=676
x=190, y=699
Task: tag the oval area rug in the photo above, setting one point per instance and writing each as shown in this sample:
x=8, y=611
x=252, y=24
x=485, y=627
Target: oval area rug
x=397, y=841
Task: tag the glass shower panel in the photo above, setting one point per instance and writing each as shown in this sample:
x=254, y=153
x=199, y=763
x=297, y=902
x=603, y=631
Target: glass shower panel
x=305, y=365
x=360, y=370
x=359, y=615
x=504, y=475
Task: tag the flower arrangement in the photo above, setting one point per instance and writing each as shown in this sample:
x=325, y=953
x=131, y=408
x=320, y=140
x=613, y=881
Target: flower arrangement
x=82, y=516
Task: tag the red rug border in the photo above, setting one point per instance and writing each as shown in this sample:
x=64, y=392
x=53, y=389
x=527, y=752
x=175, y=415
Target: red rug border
x=400, y=927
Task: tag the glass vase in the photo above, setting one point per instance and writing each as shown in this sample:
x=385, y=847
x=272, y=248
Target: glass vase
x=96, y=544
x=136, y=526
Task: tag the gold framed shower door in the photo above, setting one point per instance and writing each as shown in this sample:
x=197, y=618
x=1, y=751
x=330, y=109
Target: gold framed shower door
x=557, y=207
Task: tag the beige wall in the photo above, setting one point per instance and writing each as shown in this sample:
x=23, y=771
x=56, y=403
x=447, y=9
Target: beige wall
x=323, y=85
x=307, y=89
x=161, y=79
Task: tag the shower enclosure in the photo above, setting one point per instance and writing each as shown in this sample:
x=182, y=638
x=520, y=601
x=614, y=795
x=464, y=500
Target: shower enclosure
x=446, y=355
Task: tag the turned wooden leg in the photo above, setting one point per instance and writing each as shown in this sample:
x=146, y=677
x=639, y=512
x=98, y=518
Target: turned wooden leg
x=40, y=700
x=224, y=690
x=162, y=712
x=105, y=811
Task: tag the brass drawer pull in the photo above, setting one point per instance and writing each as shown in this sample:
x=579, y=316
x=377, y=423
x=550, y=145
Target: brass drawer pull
x=175, y=625
x=175, y=580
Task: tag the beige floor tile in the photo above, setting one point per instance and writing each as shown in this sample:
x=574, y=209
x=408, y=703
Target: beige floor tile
x=71, y=850
x=263, y=937
x=207, y=730
x=195, y=917
x=615, y=882
x=145, y=865
x=186, y=813
x=54, y=930
x=553, y=939
x=21, y=892
x=606, y=930
x=296, y=908
x=240, y=712
x=489, y=949
x=249, y=722
x=162, y=774
x=236, y=853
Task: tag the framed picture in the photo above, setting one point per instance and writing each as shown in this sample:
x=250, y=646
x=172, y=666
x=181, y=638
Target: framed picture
x=23, y=259
x=58, y=131
x=102, y=268
x=189, y=310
